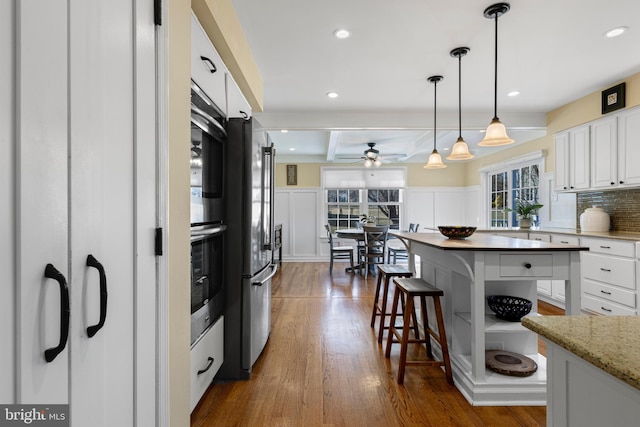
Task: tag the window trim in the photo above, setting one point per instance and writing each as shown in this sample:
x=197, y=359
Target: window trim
x=506, y=166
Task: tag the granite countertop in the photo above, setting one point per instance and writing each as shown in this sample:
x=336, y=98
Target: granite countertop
x=483, y=242
x=612, y=343
x=618, y=235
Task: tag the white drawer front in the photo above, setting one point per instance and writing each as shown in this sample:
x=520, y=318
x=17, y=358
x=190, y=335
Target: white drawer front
x=611, y=270
x=611, y=293
x=598, y=305
x=540, y=237
x=610, y=247
x=526, y=265
x=562, y=239
x=210, y=346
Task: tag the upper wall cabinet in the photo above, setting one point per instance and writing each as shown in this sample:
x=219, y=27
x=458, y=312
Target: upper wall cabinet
x=207, y=68
x=237, y=105
x=600, y=155
x=604, y=152
x=572, y=159
x=629, y=147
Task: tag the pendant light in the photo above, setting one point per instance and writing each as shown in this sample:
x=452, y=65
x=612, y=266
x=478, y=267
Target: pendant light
x=460, y=150
x=435, y=160
x=496, y=134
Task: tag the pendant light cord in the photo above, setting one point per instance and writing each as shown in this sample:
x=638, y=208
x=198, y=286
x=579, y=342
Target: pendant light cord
x=495, y=81
x=460, y=96
x=435, y=97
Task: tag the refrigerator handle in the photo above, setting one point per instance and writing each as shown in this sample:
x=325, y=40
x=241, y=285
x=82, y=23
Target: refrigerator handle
x=266, y=279
x=268, y=159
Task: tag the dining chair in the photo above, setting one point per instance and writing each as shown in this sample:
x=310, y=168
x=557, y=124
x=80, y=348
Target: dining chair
x=375, y=244
x=338, y=252
x=399, y=251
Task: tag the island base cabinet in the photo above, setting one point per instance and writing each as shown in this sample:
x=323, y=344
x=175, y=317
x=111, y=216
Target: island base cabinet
x=582, y=395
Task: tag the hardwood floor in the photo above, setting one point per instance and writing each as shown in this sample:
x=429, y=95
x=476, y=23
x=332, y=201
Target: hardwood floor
x=323, y=366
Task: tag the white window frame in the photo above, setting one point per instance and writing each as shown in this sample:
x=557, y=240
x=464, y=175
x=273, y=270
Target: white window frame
x=507, y=166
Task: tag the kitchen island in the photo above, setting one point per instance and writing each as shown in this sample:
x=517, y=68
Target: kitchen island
x=593, y=369
x=468, y=270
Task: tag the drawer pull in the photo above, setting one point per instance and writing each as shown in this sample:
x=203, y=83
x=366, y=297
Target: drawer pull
x=212, y=66
x=606, y=309
x=605, y=292
x=202, y=371
x=564, y=241
x=605, y=247
x=537, y=238
x=608, y=270
x=527, y=265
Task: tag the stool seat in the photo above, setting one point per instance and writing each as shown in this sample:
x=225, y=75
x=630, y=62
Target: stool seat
x=411, y=288
x=385, y=273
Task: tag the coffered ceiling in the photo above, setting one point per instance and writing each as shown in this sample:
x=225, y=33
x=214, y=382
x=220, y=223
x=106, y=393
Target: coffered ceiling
x=551, y=51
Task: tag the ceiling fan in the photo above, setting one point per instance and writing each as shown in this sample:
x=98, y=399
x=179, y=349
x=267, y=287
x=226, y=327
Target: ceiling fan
x=372, y=156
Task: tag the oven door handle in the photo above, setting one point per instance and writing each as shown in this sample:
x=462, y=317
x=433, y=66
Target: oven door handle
x=209, y=119
x=200, y=234
x=266, y=279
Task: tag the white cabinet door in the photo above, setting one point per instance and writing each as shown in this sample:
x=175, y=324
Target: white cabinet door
x=561, y=142
x=237, y=105
x=604, y=153
x=41, y=199
x=102, y=212
x=7, y=202
x=629, y=148
x=207, y=68
x=579, y=158
x=572, y=159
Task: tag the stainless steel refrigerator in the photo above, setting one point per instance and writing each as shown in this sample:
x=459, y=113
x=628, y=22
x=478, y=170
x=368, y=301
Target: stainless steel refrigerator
x=249, y=186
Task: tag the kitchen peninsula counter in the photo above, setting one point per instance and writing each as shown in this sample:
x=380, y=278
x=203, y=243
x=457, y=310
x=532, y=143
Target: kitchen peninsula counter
x=467, y=271
x=586, y=355
x=616, y=235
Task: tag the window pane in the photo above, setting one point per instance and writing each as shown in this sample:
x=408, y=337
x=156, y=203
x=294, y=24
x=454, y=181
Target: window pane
x=343, y=196
x=525, y=177
x=516, y=179
x=333, y=210
x=354, y=196
x=534, y=176
x=372, y=196
x=332, y=196
x=394, y=196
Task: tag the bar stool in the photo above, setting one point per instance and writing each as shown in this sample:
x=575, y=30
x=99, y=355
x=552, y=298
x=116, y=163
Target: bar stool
x=410, y=288
x=386, y=272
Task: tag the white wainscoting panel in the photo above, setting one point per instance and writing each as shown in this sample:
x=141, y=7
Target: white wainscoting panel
x=299, y=213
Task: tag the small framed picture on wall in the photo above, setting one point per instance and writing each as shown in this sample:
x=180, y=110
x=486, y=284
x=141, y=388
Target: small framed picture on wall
x=613, y=98
x=292, y=174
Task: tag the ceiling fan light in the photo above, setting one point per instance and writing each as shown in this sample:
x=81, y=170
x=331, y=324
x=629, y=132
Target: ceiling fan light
x=496, y=135
x=435, y=161
x=377, y=163
x=371, y=154
x=460, y=151
x=368, y=163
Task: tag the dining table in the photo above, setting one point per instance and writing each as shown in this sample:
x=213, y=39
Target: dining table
x=356, y=234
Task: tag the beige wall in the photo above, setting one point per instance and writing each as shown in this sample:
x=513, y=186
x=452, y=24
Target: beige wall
x=581, y=111
x=309, y=175
x=178, y=244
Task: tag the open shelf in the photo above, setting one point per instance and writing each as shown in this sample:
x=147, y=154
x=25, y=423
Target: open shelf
x=493, y=324
x=491, y=377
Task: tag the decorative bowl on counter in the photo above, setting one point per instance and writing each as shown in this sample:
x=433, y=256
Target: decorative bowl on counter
x=509, y=308
x=456, y=231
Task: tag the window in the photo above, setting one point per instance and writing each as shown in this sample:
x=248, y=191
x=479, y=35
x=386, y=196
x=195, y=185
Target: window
x=384, y=206
x=343, y=208
x=351, y=192
x=346, y=206
x=518, y=182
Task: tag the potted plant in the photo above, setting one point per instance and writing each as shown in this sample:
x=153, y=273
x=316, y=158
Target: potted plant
x=367, y=219
x=525, y=210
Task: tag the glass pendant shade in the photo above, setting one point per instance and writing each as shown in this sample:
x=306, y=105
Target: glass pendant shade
x=496, y=135
x=460, y=151
x=435, y=161
x=368, y=163
x=377, y=163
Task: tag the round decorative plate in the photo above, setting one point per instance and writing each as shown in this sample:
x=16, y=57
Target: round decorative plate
x=509, y=363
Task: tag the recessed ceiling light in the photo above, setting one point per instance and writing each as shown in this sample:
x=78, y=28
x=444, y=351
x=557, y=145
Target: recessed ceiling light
x=284, y=131
x=292, y=149
x=615, y=32
x=332, y=94
x=341, y=33
x=513, y=93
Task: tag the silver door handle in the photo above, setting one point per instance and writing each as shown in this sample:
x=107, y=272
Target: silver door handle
x=266, y=279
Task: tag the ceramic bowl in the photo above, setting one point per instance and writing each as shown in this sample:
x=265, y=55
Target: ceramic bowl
x=456, y=231
x=509, y=308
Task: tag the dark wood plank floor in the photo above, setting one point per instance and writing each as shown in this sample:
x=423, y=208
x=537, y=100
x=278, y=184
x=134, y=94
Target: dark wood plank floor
x=323, y=367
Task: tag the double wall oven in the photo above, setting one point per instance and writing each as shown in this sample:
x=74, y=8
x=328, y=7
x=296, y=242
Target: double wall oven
x=208, y=139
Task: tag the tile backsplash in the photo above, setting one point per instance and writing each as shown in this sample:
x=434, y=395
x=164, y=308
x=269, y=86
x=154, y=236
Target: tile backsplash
x=623, y=206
